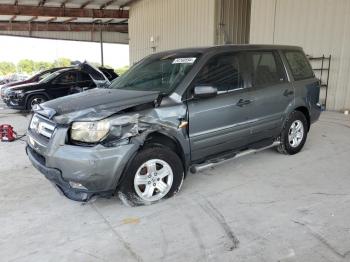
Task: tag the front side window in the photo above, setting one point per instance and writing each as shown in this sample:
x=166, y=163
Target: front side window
x=161, y=73
x=223, y=71
x=67, y=78
x=266, y=68
x=299, y=65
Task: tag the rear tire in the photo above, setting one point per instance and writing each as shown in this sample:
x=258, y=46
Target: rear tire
x=35, y=99
x=294, y=134
x=154, y=174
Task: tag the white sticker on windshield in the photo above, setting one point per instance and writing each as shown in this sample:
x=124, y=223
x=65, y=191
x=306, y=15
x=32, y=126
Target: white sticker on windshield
x=184, y=60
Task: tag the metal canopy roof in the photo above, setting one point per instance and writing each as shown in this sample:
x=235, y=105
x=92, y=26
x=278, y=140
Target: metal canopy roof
x=35, y=17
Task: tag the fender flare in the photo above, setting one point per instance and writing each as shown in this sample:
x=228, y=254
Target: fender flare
x=29, y=95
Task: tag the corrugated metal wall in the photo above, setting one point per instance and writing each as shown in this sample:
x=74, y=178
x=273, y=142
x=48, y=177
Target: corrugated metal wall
x=319, y=26
x=172, y=24
x=232, y=21
x=108, y=37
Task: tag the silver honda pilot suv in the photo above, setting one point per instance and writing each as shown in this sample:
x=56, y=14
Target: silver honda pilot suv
x=172, y=112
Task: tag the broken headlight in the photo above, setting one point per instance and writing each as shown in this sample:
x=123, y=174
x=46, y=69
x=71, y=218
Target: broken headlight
x=89, y=132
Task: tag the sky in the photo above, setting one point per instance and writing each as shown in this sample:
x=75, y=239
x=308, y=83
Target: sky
x=13, y=49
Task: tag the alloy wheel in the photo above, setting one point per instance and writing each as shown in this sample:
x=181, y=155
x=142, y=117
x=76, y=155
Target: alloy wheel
x=296, y=133
x=36, y=101
x=153, y=180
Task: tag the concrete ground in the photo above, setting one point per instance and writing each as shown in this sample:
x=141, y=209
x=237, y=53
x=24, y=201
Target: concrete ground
x=262, y=207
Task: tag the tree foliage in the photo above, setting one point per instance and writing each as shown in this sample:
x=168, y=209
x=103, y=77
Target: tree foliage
x=42, y=65
x=25, y=66
x=121, y=70
x=62, y=62
x=7, y=68
x=28, y=66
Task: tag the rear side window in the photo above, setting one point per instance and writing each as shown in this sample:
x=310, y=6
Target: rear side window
x=266, y=68
x=223, y=72
x=299, y=65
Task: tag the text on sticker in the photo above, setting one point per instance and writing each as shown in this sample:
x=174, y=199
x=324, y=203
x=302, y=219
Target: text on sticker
x=184, y=60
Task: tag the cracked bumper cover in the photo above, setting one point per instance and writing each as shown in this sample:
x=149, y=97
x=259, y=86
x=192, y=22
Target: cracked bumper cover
x=97, y=168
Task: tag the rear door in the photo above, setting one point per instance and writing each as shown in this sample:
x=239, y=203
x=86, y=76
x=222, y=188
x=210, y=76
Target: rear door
x=220, y=123
x=271, y=91
x=84, y=81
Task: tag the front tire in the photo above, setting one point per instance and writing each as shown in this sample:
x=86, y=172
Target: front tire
x=294, y=133
x=35, y=100
x=154, y=174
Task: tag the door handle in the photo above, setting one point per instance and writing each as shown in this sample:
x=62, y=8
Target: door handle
x=288, y=92
x=241, y=102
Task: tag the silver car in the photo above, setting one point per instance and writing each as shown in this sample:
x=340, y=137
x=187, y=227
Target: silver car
x=173, y=112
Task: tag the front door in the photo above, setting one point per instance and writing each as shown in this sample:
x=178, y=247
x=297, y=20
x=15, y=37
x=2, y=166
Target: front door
x=63, y=84
x=220, y=123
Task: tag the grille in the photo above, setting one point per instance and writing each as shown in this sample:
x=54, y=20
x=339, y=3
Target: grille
x=42, y=126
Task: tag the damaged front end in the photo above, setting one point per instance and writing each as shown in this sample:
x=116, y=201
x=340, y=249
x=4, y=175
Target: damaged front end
x=88, y=150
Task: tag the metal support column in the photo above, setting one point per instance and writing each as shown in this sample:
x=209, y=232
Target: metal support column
x=101, y=44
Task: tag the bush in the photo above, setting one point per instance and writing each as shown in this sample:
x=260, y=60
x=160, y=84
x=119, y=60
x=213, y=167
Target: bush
x=121, y=70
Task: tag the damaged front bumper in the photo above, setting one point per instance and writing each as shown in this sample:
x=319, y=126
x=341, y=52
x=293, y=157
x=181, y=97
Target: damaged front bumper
x=79, y=172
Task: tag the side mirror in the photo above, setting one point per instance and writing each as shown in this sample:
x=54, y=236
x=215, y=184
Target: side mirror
x=205, y=91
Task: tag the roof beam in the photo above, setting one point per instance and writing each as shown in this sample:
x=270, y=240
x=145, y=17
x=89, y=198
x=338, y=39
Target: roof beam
x=107, y=4
x=46, y=11
x=69, y=20
x=63, y=4
x=85, y=4
x=32, y=19
x=72, y=27
x=108, y=21
x=128, y=3
x=42, y=3
x=51, y=20
x=13, y=18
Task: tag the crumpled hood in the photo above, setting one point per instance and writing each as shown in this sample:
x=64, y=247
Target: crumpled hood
x=94, y=104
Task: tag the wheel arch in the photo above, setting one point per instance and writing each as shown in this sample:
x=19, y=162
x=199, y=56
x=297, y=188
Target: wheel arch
x=33, y=94
x=157, y=138
x=305, y=111
x=160, y=139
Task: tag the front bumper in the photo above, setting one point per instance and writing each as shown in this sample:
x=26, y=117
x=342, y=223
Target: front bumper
x=98, y=168
x=14, y=102
x=55, y=176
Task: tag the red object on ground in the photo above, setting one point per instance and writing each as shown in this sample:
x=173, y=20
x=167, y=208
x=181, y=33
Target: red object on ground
x=7, y=134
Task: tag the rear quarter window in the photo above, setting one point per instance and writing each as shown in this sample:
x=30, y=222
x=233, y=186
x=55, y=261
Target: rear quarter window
x=299, y=65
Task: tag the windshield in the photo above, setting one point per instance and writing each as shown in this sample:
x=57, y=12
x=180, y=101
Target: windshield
x=50, y=77
x=44, y=75
x=157, y=73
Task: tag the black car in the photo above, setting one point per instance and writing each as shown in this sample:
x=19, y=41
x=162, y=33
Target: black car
x=60, y=83
x=36, y=78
